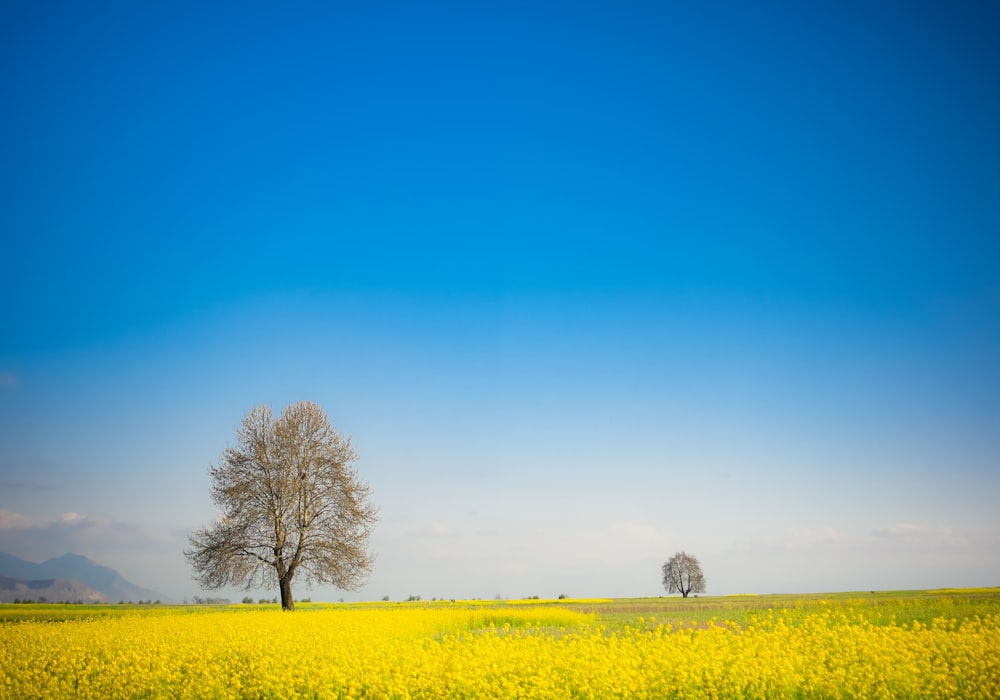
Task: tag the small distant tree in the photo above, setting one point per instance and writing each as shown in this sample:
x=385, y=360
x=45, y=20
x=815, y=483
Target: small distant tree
x=682, y=574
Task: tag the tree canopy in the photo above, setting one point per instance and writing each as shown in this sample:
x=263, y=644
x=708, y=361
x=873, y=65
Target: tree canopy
x=291, y=502
x=682, y=574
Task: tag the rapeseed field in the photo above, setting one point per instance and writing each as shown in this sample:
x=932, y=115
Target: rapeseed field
x=813, y=649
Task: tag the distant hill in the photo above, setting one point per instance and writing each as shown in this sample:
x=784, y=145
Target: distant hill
x=53, y=590
x=75, y=567
x=18, y=568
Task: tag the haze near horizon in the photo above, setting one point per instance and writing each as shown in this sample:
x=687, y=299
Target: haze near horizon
x=586, y=284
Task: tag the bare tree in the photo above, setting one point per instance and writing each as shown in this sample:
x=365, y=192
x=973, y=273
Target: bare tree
x=290, y=501
x=682, y=574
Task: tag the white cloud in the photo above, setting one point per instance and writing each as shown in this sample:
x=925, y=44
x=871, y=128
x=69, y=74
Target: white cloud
x=901, y=530
x=9, y=520
x=66, y=531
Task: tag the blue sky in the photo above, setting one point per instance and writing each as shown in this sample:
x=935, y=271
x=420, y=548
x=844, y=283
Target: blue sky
x=587, y=284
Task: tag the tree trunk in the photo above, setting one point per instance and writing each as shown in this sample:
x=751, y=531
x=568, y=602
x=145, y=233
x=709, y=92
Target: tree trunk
x=285, y=584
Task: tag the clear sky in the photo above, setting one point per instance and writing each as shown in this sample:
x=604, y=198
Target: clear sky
x=587, y=283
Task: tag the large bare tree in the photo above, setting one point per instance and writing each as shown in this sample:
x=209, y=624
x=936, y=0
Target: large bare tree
x=682, y=574
x=290, y=502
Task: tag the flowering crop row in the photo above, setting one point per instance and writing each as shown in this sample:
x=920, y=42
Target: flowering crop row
x=483, y=652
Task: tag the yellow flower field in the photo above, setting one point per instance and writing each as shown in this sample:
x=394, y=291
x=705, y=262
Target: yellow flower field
x=496, y=651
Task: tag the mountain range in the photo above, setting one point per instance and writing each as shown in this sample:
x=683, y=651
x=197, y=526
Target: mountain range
x=71, y=577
